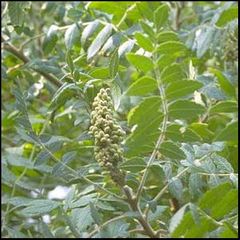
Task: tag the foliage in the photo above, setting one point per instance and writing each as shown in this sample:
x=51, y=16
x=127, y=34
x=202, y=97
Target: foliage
x=171, y=68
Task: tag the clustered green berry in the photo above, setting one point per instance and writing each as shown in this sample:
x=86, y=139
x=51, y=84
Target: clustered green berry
x=107, y=134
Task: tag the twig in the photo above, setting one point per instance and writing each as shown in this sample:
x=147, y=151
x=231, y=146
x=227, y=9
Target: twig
x=5, y=9
x=166, y=186
x=19, y=54
x=125, y=15
x=22, y=174
x=178, y=175
x=162, y=134
x=210, y=218
x=77, y=174
x=133, y=202
x=105, y=224
x=217, y=174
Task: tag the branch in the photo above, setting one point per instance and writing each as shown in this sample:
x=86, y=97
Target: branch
x=133, y=202
x=178, y=175
x=162, y=134
x=19, y=54
x=125, y=15
x=166, y=186
x=106, y=223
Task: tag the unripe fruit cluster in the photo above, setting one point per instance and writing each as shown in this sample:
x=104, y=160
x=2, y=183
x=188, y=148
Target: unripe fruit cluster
x=107, y=134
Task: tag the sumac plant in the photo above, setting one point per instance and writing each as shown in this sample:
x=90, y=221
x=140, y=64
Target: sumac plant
x=119, y=119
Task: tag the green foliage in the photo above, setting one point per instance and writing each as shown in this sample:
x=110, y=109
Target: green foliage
x=171, y=71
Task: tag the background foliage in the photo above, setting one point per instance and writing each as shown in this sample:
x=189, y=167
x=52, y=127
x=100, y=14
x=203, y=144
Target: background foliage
x=172, y=69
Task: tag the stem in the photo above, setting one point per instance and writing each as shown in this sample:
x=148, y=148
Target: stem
x=166, y=186
x=164, y=127
x=210, y=218
x=133, y=202
x=19, y=54
x=178, y=175
x=22, y=174
x=217, y=174
x=125, y=15
x=77, y=175
x=106, y=223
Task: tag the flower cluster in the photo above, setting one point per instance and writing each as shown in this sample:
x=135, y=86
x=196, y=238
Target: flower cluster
x=107, y=134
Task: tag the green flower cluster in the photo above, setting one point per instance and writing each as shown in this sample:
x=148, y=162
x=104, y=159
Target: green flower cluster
x=107, y=134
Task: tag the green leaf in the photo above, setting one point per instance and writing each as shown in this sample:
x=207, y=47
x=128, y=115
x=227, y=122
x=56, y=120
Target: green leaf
x=44, y=155
x=225, y=205
x=172, y=73
x=183, y=222
x=100, y=72
x=72, y=35
x=125, y=47
x=229, y=133
x=89, y=31
x=50, y=40
x=145, y=10
x=63, y=94
x=179, y=133
x=94, y=213
x=141, y=114
x=81, y=218
x=211, y=197
x=69, y=61
x=15, y=233
x=200, y=230
x=142, y=86
x=205, y=39
x=177, y=218
x=113, y=65
x=44, y=229
x=16, y=13
x=74, y=14
x=224, y=107
x=227, y=16
x=171, y=150
x=133, y=165
x=39, y=207
x=182, y=88
x=183, y=109
x=147, y=29
x=60, y=169
x=118, y=229
x=112, y=43
x=98, y=42
x=172, y=48
x=223, y=166
x=147, y=116
x=144, y=42
x=167, y=36
x=141, y=62
x=72, y=227
x=195, y=184
x=176, y=188
x=224, y=83
x=161, y=16
x=44, y=66
x=153, y=216
x=165, y=61
x=116, y=94
x=228, y=232
x=19, y=201
x=7, y=175
x=202, y=130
